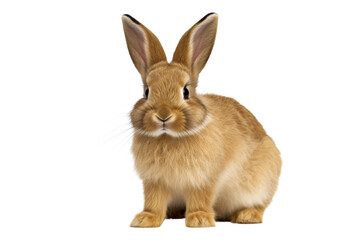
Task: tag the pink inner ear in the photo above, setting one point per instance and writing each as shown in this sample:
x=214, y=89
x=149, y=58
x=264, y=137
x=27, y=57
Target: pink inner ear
x=198, y=42
x=138, y=39
x=141, y=45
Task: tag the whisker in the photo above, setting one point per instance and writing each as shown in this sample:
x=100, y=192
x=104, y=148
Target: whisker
x=117, y=134
x=124, y=141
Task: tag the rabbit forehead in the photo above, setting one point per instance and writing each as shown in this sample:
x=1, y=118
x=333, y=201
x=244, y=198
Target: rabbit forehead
x=168, y=75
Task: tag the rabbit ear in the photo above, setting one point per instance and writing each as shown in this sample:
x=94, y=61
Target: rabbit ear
x=144, y=47
x=196, y=44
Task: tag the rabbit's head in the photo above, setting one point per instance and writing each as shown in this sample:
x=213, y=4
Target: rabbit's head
x=170, y=104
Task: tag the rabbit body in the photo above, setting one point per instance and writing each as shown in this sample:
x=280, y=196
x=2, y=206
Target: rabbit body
x=202, y=157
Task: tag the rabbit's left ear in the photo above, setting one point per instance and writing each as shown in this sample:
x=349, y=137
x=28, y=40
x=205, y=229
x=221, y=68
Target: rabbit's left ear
x=144, y=47
x=196, y=44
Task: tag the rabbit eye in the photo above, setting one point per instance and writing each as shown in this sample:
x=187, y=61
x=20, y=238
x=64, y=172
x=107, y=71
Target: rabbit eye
x=147, y=93
x=186, y=93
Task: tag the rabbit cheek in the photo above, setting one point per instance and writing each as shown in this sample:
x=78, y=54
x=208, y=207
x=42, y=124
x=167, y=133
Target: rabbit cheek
x=195, y=115
x=180, y=122
x=137, y=114
x=149, y=124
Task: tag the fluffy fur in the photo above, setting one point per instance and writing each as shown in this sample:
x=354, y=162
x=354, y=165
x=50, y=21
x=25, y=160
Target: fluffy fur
x=204, y=158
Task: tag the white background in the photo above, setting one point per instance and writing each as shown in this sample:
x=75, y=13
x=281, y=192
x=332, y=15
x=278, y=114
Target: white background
x=67, y=84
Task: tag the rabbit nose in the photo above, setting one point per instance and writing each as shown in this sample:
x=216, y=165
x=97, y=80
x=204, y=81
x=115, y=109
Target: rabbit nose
x=163, y=120
x=164, y=113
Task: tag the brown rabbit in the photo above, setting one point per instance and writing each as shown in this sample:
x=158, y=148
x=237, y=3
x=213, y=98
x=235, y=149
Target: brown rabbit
x=204, y=157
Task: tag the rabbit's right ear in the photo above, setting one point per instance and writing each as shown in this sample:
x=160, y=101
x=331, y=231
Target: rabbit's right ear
x=196, y=44
x=144, y=47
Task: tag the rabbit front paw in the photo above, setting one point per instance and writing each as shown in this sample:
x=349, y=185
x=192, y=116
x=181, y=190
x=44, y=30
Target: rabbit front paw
x=200, y=219
x=147, y=219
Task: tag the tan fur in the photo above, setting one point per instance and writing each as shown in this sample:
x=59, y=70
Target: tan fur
x=213, y=160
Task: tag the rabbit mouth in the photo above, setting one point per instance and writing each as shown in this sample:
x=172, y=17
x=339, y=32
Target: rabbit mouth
x=166, y=129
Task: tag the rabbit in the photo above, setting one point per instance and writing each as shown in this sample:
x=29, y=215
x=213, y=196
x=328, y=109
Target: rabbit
x=201, y=157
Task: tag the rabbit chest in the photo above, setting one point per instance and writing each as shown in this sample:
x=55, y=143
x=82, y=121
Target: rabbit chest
x=177, y=162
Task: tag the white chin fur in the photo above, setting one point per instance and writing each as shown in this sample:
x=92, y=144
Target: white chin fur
x=190, y=132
